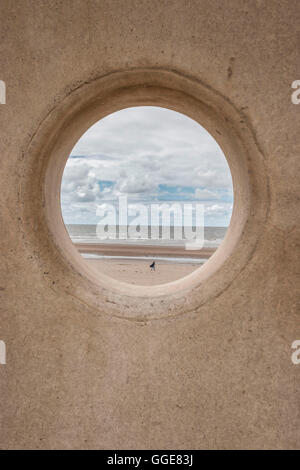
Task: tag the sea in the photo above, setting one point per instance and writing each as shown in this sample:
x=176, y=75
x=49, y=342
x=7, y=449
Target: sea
x=84, y=233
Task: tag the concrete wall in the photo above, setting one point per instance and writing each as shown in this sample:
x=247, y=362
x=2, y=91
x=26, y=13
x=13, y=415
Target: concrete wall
x=205, y=363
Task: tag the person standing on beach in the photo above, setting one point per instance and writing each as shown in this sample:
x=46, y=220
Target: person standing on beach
x=152, y=266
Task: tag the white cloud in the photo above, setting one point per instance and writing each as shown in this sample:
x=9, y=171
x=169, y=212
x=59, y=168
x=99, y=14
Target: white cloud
x=137, y=151
x=135, y=184
x=205, y=195
x=218, y=209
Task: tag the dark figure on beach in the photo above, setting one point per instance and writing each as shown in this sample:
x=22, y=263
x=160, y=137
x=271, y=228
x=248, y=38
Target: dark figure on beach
x=152, y=266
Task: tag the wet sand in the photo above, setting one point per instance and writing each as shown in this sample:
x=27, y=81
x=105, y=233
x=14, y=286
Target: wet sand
x=112, y=249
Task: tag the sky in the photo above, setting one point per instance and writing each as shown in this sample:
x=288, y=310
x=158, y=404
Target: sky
x=151, y=155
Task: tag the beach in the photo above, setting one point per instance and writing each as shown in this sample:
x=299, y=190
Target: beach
x=140, y=250
x=129, y=260
x=139, y=273
x=130, y=263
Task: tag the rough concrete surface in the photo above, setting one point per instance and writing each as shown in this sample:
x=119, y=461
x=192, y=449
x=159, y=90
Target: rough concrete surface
x=87, y=365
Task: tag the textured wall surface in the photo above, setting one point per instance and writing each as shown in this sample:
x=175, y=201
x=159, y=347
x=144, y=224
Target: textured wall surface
x=218, y=374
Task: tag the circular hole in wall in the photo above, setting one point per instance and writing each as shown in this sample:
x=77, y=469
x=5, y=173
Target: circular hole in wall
x=146, y=195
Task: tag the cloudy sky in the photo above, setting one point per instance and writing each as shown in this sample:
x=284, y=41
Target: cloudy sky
x=150, y=154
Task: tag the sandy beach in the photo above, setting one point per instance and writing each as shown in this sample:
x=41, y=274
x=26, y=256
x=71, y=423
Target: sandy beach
x=139, y=273
x=118, y=249
x=135, y=269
